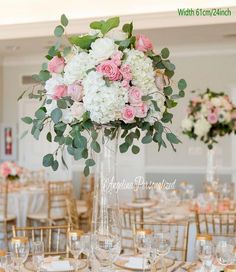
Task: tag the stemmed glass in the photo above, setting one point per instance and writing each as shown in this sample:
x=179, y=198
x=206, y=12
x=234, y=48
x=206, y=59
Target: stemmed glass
x=6, y=261
x=75, y=245
x=19, y=250
x=162, y=244
x=204, y=249
x=86, y=241
x=224, y=253
x=143, y=243
x=38, y=254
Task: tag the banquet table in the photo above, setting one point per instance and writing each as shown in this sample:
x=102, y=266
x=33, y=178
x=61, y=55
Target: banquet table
x=27, y=200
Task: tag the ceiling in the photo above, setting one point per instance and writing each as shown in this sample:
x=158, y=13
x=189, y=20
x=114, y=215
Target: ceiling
x=180, y=39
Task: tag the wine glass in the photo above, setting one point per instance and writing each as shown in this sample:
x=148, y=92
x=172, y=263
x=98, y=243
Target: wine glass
x=143, y=243
x=162, y=244
x=20, y=250
x=38, y=254
x=224, y=253
x=75, y=245
x=204, y=249
x=86, y=241
x=6, y=261
x=106, y=248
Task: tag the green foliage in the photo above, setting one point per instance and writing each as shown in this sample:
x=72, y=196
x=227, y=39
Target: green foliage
x=59, y=30
x=83, y=42
x=64, y=20
x=28, y=120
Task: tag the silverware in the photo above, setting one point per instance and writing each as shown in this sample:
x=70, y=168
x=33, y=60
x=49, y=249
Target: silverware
x=178, y=266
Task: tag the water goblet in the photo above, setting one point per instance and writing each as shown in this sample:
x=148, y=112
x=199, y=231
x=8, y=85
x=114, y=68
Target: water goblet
x=20, y=250
x=204, y=250
x=75, y=245
x=224, y=253
x=143, y=243
x=38, y=254
x=162, y=244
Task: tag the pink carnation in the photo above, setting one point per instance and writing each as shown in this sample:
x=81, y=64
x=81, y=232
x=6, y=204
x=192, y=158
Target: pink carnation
x=135, y=96
x=126, y=72
x=75, y=91
x=109, y=69
x=56, y=65
x=212, y=118
x=141, y=111
x=128, y=114
x=143, y=43
x=60, y=91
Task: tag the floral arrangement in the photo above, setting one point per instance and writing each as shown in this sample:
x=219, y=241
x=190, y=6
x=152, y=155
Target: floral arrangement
x=10, y=170
x=106, y=78
x=209, y=116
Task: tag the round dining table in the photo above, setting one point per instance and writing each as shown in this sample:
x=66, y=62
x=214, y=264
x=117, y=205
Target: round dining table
x=27, y=200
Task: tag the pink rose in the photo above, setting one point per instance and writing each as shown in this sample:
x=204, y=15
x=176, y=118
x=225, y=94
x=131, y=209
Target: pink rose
x=59, y=92
x=75, y=91
x=56, y=65
x=141, y=111
x=125, y=84
x=116, y=58
x=77, y=110
x=212, y=118
x=128, y=114
x=135, y=96
x=143, y=43
x=109, y=69
x=126, y=72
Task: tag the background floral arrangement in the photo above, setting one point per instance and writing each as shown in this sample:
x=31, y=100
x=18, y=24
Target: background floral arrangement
x=209, y=116
x=10, y=170
x=107, y=78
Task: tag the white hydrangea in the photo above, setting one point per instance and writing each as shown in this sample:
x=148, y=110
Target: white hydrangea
x=142, y=70
x=187, y=124
x=77, y=67
x=201, y=127
x=117, y=35
x=67, y=116
x=52, y=83
x=104, y=103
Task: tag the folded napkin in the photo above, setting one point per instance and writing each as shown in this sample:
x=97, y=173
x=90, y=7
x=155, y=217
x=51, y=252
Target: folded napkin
x=57, y=266
x=135, y=263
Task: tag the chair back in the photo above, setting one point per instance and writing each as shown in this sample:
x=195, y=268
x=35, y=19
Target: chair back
x=54, y=237
x=140, y=193
x=72, y=213
x=216, y=224
x=178, y=231
x=129, y=217
x=58, y=192
x=87, y=186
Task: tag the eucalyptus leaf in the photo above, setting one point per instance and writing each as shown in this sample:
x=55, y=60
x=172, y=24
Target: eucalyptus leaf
x=48, y=160
x=56, y=115
x=28, y=120
x=59, y=30
x=64, y=20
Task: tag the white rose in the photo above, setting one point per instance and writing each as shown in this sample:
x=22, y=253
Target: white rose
x=187, y=124
x=201, y=127
x=216, y=102
x=52, y=83
x=117, y=35
x=50, y=107
x=224, y=116
x=77, y=110
x=102, y=49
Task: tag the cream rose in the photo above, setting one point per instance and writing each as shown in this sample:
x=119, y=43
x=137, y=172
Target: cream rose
x=201, y=127
x=102, y=49
x=187, y=124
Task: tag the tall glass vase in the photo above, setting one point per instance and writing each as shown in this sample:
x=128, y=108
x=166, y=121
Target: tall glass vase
x=211, y=166
x=106, y=227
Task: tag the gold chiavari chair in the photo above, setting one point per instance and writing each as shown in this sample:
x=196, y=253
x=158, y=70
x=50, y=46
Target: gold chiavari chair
x=129, y=217
x=54, y=237
x=6, y=220
x=73, y=217
x=216, y=224
x=58, y=192
x=85, y=219
x=179, y=232
x=87, y=186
